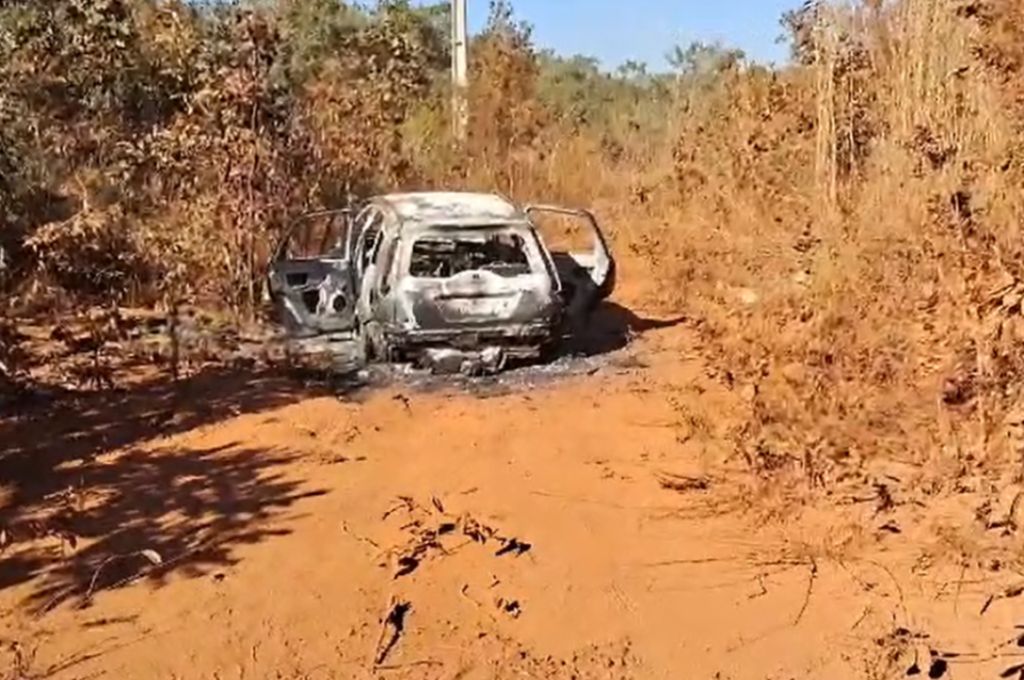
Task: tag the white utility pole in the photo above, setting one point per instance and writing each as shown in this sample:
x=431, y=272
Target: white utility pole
x=460, y=69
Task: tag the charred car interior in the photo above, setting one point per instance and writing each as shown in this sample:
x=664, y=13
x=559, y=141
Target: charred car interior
x=444, y=257
x=449, y=281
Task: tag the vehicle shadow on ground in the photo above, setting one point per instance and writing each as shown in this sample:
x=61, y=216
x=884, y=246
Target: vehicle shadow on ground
x=612, y=327
x=74, y=517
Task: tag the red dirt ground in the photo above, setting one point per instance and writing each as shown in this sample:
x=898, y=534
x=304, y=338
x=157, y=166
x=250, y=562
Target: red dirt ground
x=289, y=525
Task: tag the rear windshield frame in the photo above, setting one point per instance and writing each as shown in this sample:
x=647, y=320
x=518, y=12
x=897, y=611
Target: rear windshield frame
x=525, y=243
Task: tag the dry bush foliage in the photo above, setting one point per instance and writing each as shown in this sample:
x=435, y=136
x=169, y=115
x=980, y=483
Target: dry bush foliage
x=170, y=140
x=845, y=227
x=858, y=243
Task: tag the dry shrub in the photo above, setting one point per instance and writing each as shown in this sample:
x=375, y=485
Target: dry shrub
x=855, y=220
x=201, y=130
x=357, y=107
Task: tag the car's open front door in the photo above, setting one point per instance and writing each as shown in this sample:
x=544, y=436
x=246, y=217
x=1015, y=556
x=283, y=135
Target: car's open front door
x=584, y=264
x=310, y=279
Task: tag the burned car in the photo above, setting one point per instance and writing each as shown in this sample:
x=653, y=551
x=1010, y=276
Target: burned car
x=460, y=281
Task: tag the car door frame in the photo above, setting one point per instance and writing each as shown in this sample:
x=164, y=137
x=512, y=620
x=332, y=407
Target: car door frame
x=585, y=294
x=365, y=256
x=295, y=315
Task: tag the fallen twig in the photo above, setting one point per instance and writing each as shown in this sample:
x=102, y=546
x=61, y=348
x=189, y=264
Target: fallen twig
x=1008, y=593
x=395, y=618
x=405, y=503
x=375, y=654
x=682, y=483
x=152, y=556
x=764, y=589
x=860, y=619
x=896, y=583
x=464, y=591
x=411, y=664
x=361, y=539
x=810, y=588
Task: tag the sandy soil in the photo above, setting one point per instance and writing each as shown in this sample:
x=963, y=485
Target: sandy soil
x=594, y=526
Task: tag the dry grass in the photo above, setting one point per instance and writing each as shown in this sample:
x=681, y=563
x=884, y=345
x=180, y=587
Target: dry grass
x=856, y=225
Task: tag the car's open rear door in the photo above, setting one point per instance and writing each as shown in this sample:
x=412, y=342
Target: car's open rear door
x=586, y=269
x=309, y=278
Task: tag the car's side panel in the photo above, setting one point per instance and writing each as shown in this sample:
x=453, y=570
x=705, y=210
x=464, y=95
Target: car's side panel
x=312, y=295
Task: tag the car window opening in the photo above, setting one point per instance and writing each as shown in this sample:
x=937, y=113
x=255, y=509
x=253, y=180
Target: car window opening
x=441, y=258
x=319, y=236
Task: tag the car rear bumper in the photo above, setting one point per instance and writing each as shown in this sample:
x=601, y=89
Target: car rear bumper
x=515, y=339
x=472, y=352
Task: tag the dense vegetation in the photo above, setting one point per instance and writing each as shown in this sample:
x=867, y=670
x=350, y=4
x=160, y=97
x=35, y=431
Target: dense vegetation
x=844, y=229
x=152, y=144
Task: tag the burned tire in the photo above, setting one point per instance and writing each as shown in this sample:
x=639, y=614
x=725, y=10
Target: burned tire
x=551, y=351
x=375, y=345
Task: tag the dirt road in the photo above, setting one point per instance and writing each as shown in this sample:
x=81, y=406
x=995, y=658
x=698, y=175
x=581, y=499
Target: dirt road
x=594, y=526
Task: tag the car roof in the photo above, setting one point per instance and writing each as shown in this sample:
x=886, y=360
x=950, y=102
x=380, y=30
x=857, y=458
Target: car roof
x=453, y=208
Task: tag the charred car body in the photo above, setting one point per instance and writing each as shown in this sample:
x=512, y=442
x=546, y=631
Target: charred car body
x=456, y=280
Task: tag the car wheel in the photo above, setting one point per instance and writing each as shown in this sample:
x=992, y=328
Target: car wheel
x=550, y=351
x=375, y=344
